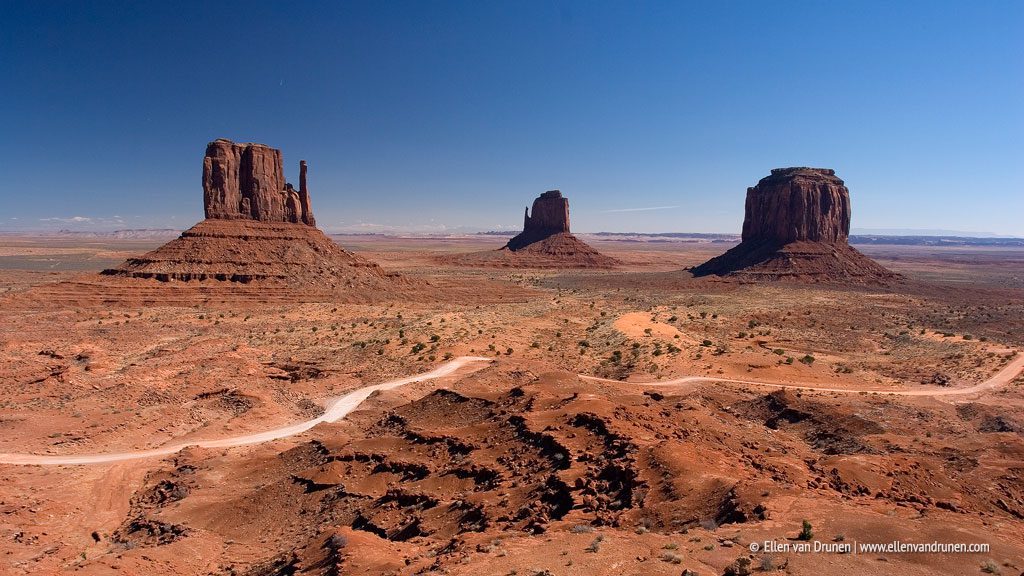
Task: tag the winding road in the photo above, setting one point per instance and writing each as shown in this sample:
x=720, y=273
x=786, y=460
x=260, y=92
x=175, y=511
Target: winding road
x=343, y=405
x=336, y=410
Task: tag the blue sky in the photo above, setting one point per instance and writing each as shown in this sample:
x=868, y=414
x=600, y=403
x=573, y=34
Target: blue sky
x=442, y=116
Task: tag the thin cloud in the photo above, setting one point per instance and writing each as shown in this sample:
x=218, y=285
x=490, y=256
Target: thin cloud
x=99, y=221
x=648, y=209
x=71, y=219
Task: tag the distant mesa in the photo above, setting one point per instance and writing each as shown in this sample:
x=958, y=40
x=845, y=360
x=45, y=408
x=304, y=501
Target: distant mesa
x=257, y=228
x=550, y=217
x=545, y=242
x=797, y=226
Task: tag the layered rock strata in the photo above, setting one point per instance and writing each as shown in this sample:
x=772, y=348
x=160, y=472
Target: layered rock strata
x=546, y=241
x=257, y=228
x=796, y=226
x=246, y=182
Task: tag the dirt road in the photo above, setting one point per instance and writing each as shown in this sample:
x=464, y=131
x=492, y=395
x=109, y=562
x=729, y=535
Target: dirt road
x=342, y=406
x=336, y=410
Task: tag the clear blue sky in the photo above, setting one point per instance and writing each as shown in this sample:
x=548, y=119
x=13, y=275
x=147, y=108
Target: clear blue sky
x=436, y=116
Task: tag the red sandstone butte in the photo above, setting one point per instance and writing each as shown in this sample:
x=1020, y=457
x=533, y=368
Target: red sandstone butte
x=550, y=216
x=546, y=242
x=246, y=182
x=796, y=226
x=257, y=228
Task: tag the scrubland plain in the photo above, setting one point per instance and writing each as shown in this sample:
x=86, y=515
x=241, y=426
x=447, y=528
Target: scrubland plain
x=633, y=420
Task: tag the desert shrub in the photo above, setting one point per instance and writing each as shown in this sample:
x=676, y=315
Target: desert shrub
x=806, y=532
x=672, y=557
x=807, y=359
x=740, y=567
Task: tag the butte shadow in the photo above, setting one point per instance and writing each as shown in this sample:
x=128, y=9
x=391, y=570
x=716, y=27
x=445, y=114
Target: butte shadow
x=545, y=242
x=796, y=227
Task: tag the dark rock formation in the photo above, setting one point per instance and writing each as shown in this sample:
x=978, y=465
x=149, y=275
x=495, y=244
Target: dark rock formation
x=796, y=204
x=550, y=216
x=796, y=225
x=257, y=228
x=545, y=242
x=246, y=182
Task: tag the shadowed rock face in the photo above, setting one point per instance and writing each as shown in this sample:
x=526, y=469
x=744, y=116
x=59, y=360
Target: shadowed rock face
x=795, y=204
x=246, y=182
x=796, y=226
x=550, y=216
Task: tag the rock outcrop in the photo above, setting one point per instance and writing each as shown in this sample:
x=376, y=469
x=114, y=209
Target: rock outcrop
x=796, y=226
x=246, y=182
x=795, y=204
x=257, y=229
x=545, y=242
x=550, y=216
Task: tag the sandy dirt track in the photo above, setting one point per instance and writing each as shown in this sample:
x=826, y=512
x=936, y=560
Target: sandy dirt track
x=342, y=406
x=336, y=410
x=1001, y=378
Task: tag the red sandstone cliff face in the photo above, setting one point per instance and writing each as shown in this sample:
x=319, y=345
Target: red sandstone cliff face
x=796, y=226
x=246, y=182
x=795, y=204
x=550, y=216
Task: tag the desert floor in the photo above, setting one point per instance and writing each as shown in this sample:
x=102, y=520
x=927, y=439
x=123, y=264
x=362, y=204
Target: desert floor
x=629, y=421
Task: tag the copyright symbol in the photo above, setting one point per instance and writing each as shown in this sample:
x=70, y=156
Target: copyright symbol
x=754, y=547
